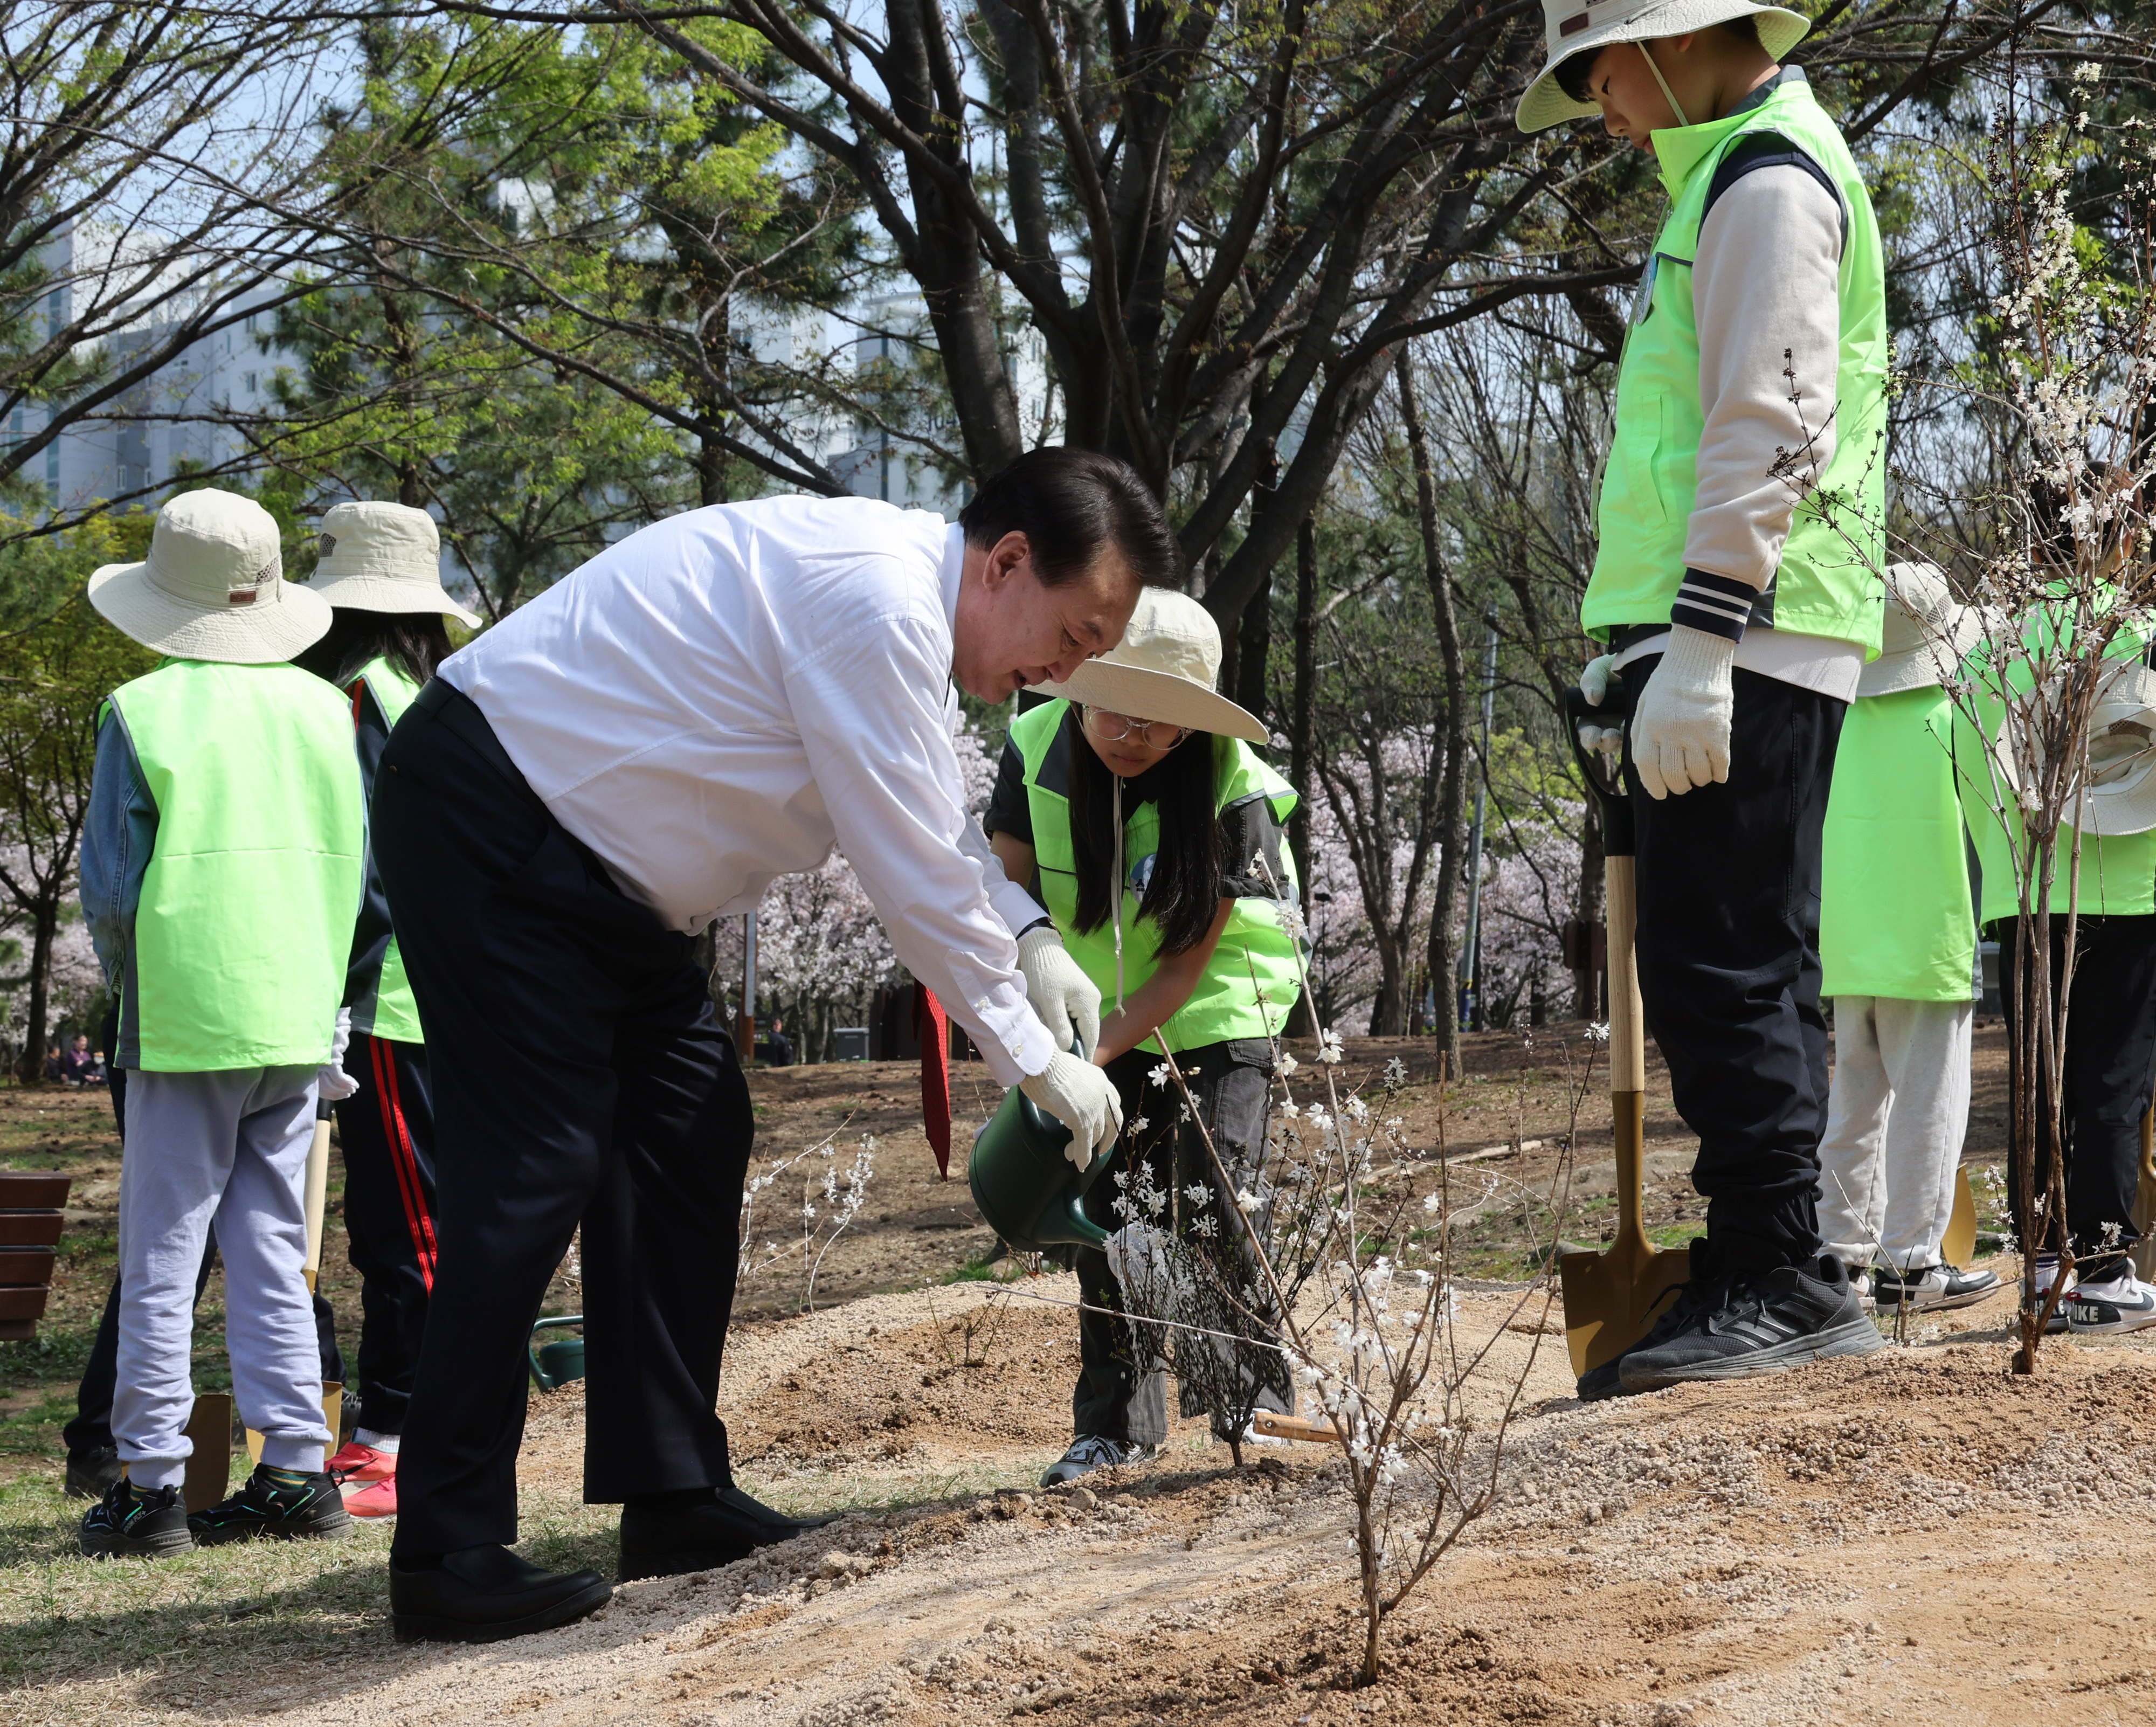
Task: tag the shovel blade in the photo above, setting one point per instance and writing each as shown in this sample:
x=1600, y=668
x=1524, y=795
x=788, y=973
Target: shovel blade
x=1958, y=1246
x=1611, y=1298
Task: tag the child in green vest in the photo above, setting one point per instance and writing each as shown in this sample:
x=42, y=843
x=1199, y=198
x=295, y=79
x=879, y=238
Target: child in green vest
x=1176, y=920
x=221, y=865
x=1734, y=587
x=1897, y=938
x=381, y=569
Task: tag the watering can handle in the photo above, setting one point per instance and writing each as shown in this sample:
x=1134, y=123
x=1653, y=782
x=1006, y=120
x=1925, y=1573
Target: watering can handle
x=531, y=1346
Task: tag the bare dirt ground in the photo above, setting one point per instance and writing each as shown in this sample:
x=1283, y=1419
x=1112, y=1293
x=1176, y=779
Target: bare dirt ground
x=1917, y=1535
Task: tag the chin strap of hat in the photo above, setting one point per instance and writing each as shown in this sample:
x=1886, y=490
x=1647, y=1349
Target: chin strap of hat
x=1116, y=886
x=1669, y=95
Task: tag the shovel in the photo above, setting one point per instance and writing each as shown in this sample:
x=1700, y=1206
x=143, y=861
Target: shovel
x=1958, y=1246
x=1611, y=1297
x=2143, y=1255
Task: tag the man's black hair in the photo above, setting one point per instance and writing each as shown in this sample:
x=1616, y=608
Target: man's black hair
x=1183, y=896
x=1572, y=77
x=1072, y=504
x=416, y=642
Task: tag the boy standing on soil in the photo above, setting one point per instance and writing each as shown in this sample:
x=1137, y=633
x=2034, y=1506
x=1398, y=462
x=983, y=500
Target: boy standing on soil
x=1897, y=934
x=220, y=880
x=1742, y=605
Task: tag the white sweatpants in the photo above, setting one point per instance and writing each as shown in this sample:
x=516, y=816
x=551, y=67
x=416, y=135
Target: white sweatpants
x=1896, y=1116
x=230, y=1146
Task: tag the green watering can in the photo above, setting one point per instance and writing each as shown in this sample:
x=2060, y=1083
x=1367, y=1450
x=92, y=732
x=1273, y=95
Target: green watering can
x=1025, y=1188
x=555, y=1364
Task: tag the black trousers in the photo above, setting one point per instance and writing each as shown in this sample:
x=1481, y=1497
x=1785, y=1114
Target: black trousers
x=385, y=1130
x=2110, y=1068
x=1114, y=1399
x=1729, y=967
x=580, y=1078
x=91, y=1429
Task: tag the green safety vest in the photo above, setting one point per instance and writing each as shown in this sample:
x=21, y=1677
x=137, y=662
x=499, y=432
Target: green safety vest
x=1895, y=917
x=244, y=924
x=390, y=1011
x=2117, y=875
x=1824, y=585
x=1255, y=948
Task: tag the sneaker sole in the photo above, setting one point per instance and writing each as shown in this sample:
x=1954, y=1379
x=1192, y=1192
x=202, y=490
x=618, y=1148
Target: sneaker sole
x=336, y=1531
x=1851, y=1337
x=1944, y=1302
x=433, y=1628
x=122, y=1548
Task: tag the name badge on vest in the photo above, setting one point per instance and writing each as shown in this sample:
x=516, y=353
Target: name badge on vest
x=1643, y=298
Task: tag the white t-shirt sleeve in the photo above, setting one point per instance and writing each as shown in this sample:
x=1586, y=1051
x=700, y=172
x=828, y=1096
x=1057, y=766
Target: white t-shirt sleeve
x=1767, y=299
x=873, y=719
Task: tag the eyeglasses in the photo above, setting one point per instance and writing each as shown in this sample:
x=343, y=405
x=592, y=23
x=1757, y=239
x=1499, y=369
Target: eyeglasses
x=1115, y=727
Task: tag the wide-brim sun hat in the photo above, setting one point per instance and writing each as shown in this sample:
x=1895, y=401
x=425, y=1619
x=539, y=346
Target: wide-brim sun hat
x=1928, y=633
x=1164, y=669
x=1571, y=30
x=2120, y=797
x=213, y=587
x=380, y=557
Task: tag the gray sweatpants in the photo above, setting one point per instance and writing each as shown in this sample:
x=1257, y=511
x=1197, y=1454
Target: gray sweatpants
x=230, y=1146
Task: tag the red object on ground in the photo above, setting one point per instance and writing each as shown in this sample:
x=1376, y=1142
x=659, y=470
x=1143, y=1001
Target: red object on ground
x=376, y=1499
x=361, y=1463
x=933, y=1027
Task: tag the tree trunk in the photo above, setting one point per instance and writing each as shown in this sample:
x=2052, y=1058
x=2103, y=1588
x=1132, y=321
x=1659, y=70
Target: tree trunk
x=45, y=926
x=1300, y=726
x=1452, y=790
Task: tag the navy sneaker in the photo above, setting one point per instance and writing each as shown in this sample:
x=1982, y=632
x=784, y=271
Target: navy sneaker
x=136, y=1523
x=1927, y=1289
x=267, y=1509
x=1748, y=1324
x=1089, y=1452
x=2122, y=1303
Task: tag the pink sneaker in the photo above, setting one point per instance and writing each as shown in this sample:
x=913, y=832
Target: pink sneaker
x=361, y=1462
x=378, y=1499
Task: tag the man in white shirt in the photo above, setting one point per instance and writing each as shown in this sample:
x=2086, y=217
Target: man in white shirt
x=711, y=703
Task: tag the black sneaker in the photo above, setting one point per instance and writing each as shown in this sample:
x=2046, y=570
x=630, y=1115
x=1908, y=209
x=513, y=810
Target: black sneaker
x=1746, y=1325
x=313, y=1511
x=136, y=1523
x=1930, y=1288
x=90, y=1473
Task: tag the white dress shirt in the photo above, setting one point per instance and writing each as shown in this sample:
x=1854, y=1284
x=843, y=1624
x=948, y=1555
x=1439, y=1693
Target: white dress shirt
x=719, y=698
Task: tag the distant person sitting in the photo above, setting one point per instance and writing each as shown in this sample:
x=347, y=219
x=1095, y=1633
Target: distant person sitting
x=779, y=1049
x=55, y=1066
x=78, y=1065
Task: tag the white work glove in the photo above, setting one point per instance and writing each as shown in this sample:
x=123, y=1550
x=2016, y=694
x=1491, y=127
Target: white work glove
x=1079, y=1095
x=1680, y=728
x=1594, y=686
x=1061, y=993
x=332, y=1084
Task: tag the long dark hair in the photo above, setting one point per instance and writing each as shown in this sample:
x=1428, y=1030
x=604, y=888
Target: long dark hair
x=1184, y=897
x=415, y=642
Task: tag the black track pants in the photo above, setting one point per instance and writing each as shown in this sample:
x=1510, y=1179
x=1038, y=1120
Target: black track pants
x=385, y=1130
x=579, y=1077
x=2111, y=1060
x=1729, y=967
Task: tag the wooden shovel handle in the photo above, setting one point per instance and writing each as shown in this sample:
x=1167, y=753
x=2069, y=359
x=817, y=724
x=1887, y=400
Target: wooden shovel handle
x=1628, y=1049
x=1280, y=1426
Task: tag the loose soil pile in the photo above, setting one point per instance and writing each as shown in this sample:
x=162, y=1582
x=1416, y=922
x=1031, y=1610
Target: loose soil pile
x=1917, y=1535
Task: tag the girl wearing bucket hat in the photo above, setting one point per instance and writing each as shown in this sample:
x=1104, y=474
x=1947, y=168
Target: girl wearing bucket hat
x=1898, y=943
x=1134, y=805
x=379, y=569
x=1734, y=588
x=221, y=869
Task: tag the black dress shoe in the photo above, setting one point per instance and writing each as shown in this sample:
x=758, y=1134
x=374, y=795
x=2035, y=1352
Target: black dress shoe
x=668, y=1534
x=481, y=1595
x=90, y=1473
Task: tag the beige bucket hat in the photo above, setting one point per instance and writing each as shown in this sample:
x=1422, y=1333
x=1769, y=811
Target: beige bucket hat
x=384, y=557
x=1927, y=634
x=1164, y=669
x=1572, y=28
x=213, y=587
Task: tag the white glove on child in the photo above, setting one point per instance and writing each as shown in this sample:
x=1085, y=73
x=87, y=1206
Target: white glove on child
x=1061, y=993
x=1594, y=686
x=332, y=1084
x=1680, y=728
x=1079, y=1095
